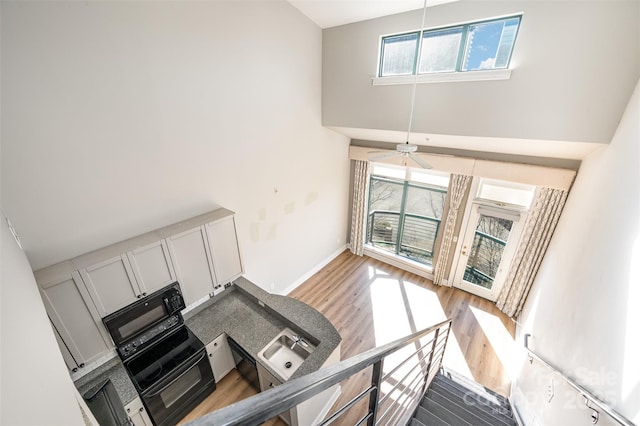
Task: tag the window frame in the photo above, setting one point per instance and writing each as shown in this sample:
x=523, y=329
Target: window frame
x=405, y=183
x=487, y=74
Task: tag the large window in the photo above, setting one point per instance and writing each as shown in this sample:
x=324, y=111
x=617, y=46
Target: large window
x=405, y=211
x=485, y=45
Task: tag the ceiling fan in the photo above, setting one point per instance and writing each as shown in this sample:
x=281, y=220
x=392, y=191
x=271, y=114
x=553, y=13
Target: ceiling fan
x=407, y=150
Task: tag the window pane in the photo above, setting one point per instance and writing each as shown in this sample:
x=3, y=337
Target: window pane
x=423, y=211
x=440, y=50
x=425, y=202
x=385, y=201
x=430, y=177
x=398, y=54
x=486, y=252
x=489, y=45
x=506, y=192
x=389, y=171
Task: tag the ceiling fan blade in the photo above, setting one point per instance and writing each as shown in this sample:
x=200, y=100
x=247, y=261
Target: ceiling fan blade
x=383, y=156
x=420, y=161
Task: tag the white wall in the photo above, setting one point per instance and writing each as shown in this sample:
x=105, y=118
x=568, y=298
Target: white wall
x=583, y=311
x=121, y=117
x=574, y=65
x=35, y=388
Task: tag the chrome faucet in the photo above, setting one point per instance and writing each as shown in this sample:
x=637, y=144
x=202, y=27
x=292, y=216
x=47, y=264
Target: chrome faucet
x=297, y=340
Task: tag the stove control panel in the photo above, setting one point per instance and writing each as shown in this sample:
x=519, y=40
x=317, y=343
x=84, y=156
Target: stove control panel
x=138, y=342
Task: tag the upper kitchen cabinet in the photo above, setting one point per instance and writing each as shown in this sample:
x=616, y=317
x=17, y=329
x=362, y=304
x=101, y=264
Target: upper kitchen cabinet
x=152, y=267
x=111, y=284
x=81, y=336
x=205, y=253
x=225, y=251
x=192, y=262
x=116, y=282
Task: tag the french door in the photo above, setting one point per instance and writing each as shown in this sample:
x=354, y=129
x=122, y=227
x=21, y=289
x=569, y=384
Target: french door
x=488, y=245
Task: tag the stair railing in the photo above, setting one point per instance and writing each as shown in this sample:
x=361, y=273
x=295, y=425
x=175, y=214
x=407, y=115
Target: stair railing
x=587, y=395
x=394, y=393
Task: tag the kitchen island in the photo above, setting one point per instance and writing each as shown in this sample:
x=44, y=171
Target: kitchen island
x=252, y=317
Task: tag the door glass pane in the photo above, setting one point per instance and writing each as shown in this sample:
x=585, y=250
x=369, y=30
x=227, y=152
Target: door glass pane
x=486, y=252
x=398, y=54
x=423, y=212
x=440, y=50
x=385, y=202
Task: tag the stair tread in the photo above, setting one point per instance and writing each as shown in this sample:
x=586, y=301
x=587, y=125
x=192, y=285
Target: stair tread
x=472, y=412
x=428, y=418
x=453, y=399
x=416, y=422
x=465, y=396
x=486, y=394
x=444, y=413
x=463, y=381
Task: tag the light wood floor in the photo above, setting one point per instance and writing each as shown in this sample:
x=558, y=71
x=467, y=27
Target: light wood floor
x=371, y=303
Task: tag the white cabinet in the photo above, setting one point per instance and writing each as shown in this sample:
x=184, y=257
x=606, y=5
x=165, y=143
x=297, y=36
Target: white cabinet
x=206, y=257
x=152, y=267
x=81, y=336
x=111, y=284
x=268, y=381
x=225, y=251
x=138, y=413
x=220, y=357
x=116, y=282
x=192, y=262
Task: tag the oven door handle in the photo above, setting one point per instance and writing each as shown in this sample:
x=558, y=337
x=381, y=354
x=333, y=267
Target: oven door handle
x=191, y=365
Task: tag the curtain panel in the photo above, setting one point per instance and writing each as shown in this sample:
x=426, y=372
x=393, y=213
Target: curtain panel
x=541, y=223
x=358, y=209
x=457, y=189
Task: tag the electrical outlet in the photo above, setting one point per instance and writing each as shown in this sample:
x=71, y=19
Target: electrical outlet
x=550, y=390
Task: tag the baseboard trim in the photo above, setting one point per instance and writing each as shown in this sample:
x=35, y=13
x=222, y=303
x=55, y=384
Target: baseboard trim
x=399, y=263
x=311, y=272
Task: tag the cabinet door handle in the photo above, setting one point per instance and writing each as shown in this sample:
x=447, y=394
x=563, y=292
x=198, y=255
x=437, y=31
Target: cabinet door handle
x=81, y=365
x=141, y=409
x=215, y=344
x=139, y=296
x=144, y=294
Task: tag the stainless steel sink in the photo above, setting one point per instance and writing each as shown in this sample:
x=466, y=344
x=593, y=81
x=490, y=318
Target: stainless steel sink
x=286, y=352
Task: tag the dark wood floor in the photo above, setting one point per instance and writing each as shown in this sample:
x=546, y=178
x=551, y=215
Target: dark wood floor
x=371, y=303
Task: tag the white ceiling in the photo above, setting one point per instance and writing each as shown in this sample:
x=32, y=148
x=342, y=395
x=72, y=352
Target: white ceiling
x=331, y=13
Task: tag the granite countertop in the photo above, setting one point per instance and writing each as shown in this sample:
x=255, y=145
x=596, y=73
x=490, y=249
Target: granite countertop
x=239, y=312
x=114, y=370
x=253, y=326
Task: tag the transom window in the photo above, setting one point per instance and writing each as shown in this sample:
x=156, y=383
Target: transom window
x=484, y=45
x=405, y=211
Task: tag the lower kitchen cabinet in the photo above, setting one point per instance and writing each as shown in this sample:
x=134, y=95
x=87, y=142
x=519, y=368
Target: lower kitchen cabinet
x=220, y=357
x=138, y=413
x=268, y=381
